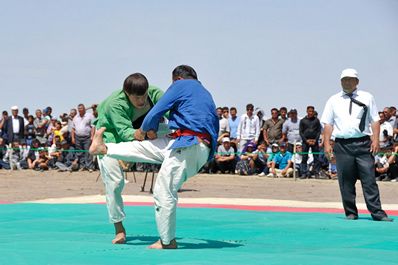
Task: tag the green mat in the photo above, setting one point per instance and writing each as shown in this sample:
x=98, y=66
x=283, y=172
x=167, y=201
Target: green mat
x=80, y=234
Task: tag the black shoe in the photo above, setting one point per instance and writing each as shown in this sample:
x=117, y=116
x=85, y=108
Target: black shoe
x=385, y=219
x=303, y=177
x=351, y=217
x=378, y=179
x=387, y=179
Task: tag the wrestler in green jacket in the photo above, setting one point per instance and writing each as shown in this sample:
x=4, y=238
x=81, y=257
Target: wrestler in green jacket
x=120, y=117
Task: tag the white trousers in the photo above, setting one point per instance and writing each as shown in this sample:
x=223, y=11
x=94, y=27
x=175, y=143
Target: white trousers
x=177, y=166
x=113, y=178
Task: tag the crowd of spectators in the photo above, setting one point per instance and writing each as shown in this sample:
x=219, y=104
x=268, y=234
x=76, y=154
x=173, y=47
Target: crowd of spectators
x=284, y=144
x=45, y=141
x=250, y=144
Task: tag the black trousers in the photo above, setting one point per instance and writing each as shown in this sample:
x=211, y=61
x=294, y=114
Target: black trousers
x=355, y=161
x=85, y=159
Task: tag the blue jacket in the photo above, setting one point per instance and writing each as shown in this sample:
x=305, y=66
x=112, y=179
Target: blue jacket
x=191, y=107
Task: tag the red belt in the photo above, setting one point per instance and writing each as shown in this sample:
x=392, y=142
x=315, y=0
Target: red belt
x=186, y=132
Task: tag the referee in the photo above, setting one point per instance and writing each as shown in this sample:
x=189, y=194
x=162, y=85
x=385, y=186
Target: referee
x=348, y=115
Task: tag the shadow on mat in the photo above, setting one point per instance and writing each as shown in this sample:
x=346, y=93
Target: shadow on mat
x=202, y=243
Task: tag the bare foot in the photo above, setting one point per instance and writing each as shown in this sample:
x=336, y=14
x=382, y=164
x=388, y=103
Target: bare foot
x=97, y=146
x=120, y=238
x=159, y=245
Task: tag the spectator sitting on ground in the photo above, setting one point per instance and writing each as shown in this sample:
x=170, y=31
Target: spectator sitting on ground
x=261, y=159
x=297, y=158
x=3, y=151
x=381, y=166
x=14, y=157
x=393, y=165
x=67, y=160
x=33, y=153
x=281, y=165
x=225, y=157
x=41, y=163
x=272, y=154
x=246, y=165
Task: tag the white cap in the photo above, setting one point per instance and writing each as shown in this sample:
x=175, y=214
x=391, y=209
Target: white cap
x=14, y=108
x=299, y=144
x=349, y=73
x=226, y=139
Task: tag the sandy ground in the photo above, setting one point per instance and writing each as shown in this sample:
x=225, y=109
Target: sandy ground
x=27, y=185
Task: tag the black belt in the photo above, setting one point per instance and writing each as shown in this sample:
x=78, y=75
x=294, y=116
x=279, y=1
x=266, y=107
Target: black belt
x=352, y=140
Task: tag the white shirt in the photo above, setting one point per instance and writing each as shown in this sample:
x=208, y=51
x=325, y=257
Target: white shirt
x=82, y=125
x=224, y=126
x=249, y=128
x=383, y=139
x=15, y=125
x=336, y=113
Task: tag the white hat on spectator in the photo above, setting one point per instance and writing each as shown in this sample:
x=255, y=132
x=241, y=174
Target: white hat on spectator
x=349, y=72
x=275, y=145
x=299, y=144
x=14, y=108
x=226, y=139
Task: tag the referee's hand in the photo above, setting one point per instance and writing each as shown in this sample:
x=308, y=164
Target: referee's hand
x=375, y=147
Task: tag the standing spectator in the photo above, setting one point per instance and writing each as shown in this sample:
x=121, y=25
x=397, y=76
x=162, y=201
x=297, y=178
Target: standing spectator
x=219, y=113
x=310, y=131
x=386, y=132
x=260, y=114
x=291, y=130
x=30, y=131
x=283, y=113
x=395, y=130
x=246, y=165
x=249, y=127
x=3, y=119
x=71, y=116
x=82, y=134
x=14, y=126
x=25, y=112
x=281, y=165
x=389, y=117
x=224, y=124
x=225, y=157
x=40, y=124
x=272, y=129
x=49, y=112
x=50, y=130
x=233, y=121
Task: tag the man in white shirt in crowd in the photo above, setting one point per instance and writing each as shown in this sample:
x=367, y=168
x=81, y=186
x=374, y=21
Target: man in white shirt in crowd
x=224, y=124
x=82, y=135
x=249, y=128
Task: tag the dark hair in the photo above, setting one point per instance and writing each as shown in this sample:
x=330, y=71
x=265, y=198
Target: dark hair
x=233, y=108
x=225, y=109
x=31, y=117
x=274, y=109
x=219, y=108
x=283, y=108
x=25, y=109
x=184, y=72
x=310, y=107
x=249, y=106
x=393, y=108
x=5, y=112
x=81, y=105
x=135, y=84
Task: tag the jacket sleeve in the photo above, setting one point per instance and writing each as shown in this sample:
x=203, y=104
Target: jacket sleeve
x=319, y=129
x=165, y=103
x=121, y=122
x=301, y=130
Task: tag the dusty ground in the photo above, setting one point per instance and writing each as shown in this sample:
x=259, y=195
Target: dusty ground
x=32, y=185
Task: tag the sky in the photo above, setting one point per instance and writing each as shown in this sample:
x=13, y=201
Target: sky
x=270, y=53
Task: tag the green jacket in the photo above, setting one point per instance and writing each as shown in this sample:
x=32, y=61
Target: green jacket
x=116, y=113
